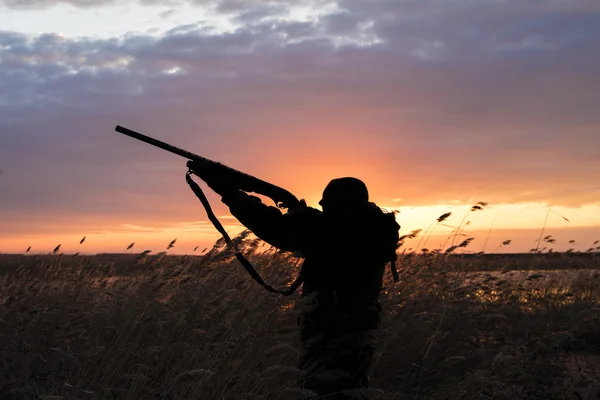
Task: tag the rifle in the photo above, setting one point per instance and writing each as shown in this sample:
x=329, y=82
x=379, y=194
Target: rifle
x=204, y=168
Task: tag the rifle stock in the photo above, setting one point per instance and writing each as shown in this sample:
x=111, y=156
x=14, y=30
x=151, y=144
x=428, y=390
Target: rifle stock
x=202, y=166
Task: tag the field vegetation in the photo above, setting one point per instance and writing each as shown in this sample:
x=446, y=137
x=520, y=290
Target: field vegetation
x=158, y=326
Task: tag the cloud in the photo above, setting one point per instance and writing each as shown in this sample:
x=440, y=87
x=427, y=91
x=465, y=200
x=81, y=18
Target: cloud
x=430, y=102
x=225, y=6
x=25, y=4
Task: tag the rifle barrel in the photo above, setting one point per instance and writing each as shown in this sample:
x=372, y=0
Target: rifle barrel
x=200, y=165
x=158, y=143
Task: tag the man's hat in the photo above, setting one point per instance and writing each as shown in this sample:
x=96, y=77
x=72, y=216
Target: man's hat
x=345, y=192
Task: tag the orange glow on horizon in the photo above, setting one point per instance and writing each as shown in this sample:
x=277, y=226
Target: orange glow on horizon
x=522, y=222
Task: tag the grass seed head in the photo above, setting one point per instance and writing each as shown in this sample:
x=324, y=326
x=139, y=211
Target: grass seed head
x=172, y=244
x=444, y=217
x=479, y=206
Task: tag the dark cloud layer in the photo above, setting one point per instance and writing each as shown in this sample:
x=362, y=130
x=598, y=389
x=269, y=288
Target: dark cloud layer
x=439, y=101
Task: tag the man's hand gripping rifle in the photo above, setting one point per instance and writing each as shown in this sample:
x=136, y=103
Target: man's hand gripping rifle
x=218, y=175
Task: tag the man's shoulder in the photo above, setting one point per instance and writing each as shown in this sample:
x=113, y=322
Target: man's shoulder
x=304, y=216
x=304, y=212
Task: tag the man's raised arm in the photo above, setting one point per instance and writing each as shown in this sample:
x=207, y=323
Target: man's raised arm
x=284, y=231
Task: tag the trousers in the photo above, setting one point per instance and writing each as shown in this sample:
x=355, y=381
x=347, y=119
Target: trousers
x=337, y=331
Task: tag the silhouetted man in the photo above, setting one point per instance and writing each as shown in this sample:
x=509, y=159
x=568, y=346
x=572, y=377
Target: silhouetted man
x=346, y=248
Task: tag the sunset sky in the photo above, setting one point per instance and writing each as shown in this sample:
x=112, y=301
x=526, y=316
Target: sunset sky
x=436, y=105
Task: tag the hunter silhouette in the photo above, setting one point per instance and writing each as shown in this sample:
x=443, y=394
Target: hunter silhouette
x=346, y=247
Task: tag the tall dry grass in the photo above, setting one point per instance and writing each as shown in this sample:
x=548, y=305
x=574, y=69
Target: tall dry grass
x=180, y=327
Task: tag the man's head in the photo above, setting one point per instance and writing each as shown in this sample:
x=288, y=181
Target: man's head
x=344, y=194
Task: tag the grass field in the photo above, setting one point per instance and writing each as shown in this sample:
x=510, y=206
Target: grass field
x=183, y=327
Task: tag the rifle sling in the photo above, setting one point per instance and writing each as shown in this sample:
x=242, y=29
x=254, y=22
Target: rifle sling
x=245, y=263
x=394, y=271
